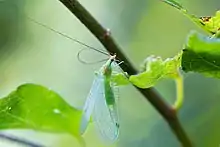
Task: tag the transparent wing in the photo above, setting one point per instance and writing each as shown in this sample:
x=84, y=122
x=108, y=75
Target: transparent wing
x=116, y=68
x=105, y=117
x=114, y=108
x=89, y=104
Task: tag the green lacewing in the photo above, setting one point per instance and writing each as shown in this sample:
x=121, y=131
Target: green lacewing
x=101, y=102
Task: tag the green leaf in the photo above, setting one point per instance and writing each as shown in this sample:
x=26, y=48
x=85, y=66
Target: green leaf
x=156, y=69
x=35, y=107
x=209, y=24
x=202, y=55
x=120, y=79
x=174, y=3
x=212, y=23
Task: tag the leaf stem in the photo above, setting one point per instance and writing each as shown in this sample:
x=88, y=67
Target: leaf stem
x=103, y=35
x=179, y=93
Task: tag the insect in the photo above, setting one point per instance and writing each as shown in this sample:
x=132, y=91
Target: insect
x=101, y=103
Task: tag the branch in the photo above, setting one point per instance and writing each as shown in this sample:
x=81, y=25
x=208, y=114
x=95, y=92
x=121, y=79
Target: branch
x=18, y=140
x=168, y=113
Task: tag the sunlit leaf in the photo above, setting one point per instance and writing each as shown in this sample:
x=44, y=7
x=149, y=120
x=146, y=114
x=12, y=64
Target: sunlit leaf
x=207, y=23
x=155, y=70
x=35, y=107
x=212, y=23
x=202, y=55
x=120, y=79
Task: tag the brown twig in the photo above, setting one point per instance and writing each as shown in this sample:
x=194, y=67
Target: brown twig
x=168, y=113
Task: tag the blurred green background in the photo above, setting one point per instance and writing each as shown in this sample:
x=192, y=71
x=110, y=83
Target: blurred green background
x=31, y=53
